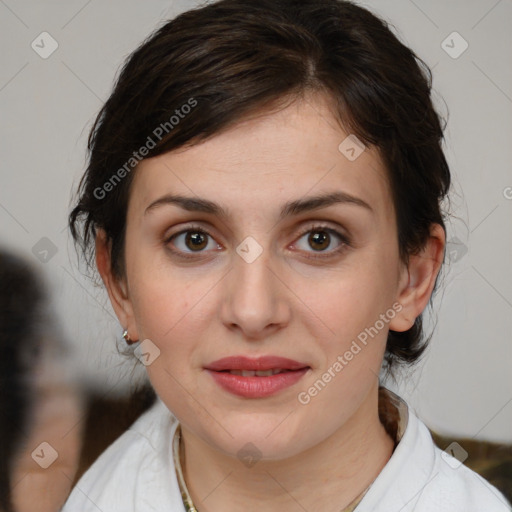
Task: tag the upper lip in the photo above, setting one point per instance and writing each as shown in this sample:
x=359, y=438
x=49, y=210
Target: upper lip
x=255, y=364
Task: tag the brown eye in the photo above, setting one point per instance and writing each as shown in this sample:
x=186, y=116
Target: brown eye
x=319, y=240
x=190, y=241
x=196, y=240
x=322, y=240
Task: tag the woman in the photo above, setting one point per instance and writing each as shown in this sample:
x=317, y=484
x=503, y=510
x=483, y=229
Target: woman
x=262, y=202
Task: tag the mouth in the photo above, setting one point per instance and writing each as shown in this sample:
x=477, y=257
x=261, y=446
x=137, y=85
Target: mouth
x=256, y=378
x=275, y=364
x=257, y=373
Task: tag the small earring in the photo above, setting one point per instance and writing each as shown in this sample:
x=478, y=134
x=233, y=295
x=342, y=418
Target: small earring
x=127, y=338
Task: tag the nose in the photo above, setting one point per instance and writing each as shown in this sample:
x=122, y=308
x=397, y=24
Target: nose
x=255, y=300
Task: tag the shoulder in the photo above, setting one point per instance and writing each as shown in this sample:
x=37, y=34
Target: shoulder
x=419, y=477
x=129, y=474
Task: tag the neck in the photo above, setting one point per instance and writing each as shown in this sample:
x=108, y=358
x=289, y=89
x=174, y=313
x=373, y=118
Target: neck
x=327, y=477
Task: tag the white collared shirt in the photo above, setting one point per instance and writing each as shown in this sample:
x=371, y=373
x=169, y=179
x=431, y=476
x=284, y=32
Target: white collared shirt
x=137, y=474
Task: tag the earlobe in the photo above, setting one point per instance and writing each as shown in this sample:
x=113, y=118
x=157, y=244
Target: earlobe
x=116, y=288
x=418, y=279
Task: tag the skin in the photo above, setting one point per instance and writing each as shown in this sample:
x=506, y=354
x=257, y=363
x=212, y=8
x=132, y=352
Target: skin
x=321, y=455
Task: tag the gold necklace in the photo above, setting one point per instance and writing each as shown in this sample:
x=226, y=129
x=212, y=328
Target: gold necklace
x=185, y=495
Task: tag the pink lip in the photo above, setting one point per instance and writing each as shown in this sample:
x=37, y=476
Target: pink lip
x=260, y=363
x=256, y=387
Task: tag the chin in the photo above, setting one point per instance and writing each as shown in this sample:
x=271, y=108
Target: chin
x=258, y=436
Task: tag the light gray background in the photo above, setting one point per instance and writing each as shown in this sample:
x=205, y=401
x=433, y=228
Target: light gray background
x=464, y=385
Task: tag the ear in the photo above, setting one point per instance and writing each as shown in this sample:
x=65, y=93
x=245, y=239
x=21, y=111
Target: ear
x=417, y=280
x=117, y=288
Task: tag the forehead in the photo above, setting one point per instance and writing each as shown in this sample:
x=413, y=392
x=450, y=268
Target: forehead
x=267, y=160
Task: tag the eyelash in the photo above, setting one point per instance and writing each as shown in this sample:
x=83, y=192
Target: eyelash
x=345, y=242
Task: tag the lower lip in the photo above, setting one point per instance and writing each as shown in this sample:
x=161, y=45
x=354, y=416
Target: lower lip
x=257, y=387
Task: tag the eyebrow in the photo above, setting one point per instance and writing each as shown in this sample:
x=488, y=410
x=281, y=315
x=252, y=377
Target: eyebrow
x=197, y=204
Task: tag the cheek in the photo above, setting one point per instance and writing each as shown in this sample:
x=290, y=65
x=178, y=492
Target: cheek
x=159, y=297
x=348, y=319
x=347, y=302
x=162, y=308
x=173, y=308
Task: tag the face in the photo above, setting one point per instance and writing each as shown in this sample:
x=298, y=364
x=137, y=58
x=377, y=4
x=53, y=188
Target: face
x=270, y=277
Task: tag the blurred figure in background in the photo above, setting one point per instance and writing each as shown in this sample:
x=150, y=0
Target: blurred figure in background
x=41, y=419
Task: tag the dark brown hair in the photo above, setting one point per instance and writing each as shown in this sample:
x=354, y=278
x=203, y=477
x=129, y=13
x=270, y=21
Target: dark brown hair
x=210, y=67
